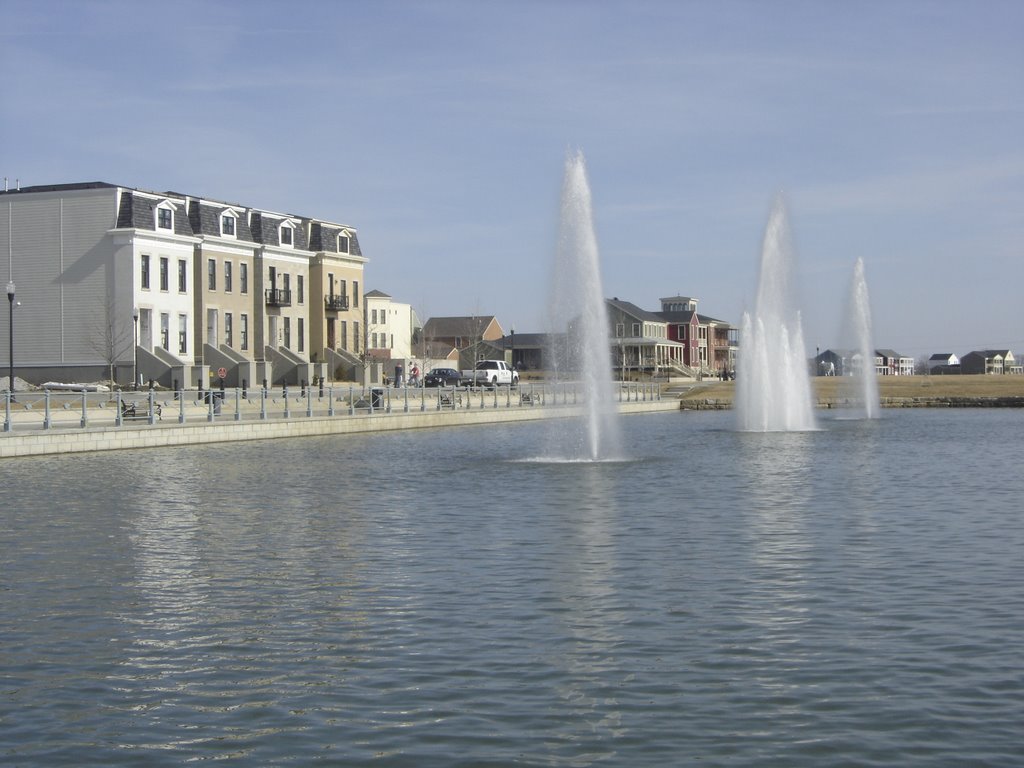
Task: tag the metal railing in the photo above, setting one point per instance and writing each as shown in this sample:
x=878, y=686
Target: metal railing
x=336, y=303
x=34, y=410
x=279, y=297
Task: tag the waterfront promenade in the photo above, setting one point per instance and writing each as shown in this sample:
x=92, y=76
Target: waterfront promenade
x=40, y=423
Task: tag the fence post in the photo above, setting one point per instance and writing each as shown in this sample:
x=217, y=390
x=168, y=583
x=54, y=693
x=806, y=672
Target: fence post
x=85, y=418
x=181, y=406
x=7, y=412
x=263, y=403
x=351, y=401
x=309, y=402
x=238, y=405
x=118, y=421
x=330, y=398
x=46, y=409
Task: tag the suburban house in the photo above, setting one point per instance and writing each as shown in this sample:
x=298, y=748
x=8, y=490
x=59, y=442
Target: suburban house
x=392, y=328
x=891, y=363
x=943, y=363
x=139, y=286
x=849, y=362
x=991, y=361
x=640, y=342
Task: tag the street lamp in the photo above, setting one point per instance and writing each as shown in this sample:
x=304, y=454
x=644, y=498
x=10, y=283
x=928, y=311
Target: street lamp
x=10, y=329
x=513, y=347
x=135, y=349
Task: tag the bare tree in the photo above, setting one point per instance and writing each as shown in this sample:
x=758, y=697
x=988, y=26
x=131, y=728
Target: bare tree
x=111, y=338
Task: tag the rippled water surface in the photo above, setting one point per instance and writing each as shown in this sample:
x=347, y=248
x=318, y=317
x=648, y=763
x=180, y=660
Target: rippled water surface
x=851, y=596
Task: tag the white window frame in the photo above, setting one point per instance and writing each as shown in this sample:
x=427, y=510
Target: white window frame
x=164, y=206
x=225, y=217
x=288, y=227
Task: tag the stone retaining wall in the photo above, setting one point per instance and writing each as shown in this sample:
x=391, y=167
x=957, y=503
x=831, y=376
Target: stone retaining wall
x=162, y=434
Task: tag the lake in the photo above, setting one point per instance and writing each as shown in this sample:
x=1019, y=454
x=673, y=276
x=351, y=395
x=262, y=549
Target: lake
x=850, y=596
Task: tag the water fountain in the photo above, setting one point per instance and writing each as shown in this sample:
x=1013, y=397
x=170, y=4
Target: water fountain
x=773, y=388
x=577, y=302
x=857, y=329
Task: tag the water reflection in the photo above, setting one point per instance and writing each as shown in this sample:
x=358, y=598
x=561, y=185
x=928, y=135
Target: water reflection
x=778, y=488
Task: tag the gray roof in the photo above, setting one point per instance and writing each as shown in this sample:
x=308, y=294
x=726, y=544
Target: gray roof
x=634, y=311
x=450, y=327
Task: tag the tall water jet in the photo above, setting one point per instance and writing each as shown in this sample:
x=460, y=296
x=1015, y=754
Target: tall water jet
x=773, y=387
x=579, y=325
x=858, y=339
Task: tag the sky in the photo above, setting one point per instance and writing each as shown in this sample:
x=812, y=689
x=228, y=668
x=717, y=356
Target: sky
x=893, y=131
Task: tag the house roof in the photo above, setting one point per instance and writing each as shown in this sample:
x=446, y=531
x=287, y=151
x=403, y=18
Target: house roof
x=202, y=217
x=375, y=294
x=942, y=356
x=633, y=310
x=450, y=327
x=678, y=317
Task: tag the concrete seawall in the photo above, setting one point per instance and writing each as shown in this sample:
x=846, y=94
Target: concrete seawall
x=162, y=434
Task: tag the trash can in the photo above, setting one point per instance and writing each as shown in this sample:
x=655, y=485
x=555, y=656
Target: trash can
x=218, y=399
x=376, y=398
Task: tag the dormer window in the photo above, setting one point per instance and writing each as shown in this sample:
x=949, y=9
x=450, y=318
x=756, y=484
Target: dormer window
x=343, y=242
x=287, y=235
x=227, y=225
x=165, y=216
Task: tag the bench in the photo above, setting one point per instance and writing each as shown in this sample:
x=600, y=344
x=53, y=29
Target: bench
x=449, y=400
x=138, y=411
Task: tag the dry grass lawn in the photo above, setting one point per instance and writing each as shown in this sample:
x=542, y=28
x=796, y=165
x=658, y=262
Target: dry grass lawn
x=828, y=387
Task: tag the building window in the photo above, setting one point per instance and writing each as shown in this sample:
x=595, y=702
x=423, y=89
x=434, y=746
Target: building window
x=227, y=277
x=355, y=293
x=287, y=333
x=286, y=235
x=182, y=334
x=344, y=334
x=164, y=218
x=164, y=266
x=145, y=271
x=227, y=225
x=301, y=329
x=211, y=274
x=287, y=283
x=355, y=336
x=373, y=318
x=373, y=340
x=342, y=243
x=182, y=276
x=245, y=332
x=165, y=331
x=300, y=287
x=243, y=278
x=228, y=329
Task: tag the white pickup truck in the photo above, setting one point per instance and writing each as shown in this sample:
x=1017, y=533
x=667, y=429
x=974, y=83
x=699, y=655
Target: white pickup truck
x=491, y=373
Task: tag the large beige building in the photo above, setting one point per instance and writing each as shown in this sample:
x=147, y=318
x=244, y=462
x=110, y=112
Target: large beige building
x=122, y=283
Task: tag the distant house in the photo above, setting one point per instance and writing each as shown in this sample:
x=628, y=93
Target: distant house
x=890, y=363
x=528, y=351
x=461, y=332
x=943, y=363
x=989, y=361
x=840, y=362
x=709, y=345
x=640, y=342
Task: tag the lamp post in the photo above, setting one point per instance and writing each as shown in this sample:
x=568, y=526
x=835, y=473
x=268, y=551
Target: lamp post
x=135, y=349
x=10, y=329
x=513, y=358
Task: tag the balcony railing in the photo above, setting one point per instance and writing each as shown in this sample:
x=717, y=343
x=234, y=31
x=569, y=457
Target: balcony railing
x=279, y=297
x=337, y=303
